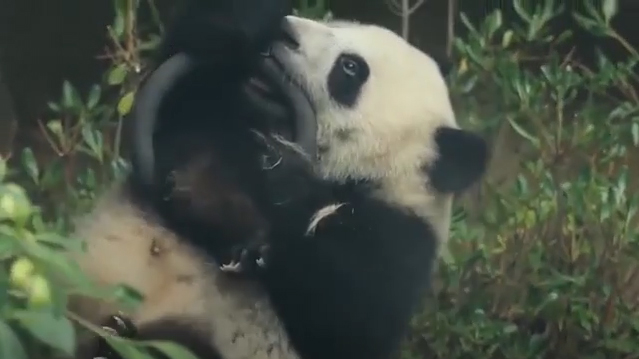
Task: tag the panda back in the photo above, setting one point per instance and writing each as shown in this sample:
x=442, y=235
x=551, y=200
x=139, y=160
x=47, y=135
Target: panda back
x=126, y=245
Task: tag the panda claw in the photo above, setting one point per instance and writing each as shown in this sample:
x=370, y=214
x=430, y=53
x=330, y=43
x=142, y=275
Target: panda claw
x=233, y=267
x=260, y=262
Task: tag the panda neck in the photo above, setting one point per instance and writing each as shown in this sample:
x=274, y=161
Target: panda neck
x=411, y=193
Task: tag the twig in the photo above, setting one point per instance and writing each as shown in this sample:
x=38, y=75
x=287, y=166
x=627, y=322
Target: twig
x=405, y=10
x=450, y=27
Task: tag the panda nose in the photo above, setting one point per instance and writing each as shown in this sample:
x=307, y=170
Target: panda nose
x=290, y=37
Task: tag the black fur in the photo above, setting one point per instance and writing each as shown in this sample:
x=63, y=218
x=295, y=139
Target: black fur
x=177, y=330
x=347, y=290
x=208, y=169
x=463, y=156
x=345, y=80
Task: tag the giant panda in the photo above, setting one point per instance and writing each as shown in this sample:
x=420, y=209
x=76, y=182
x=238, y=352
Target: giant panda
x=351, y=231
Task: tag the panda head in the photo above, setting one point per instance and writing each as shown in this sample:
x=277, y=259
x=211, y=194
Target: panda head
x=382, y=108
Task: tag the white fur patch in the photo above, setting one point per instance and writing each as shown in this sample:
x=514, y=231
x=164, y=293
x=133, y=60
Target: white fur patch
x=320, y=215
x=175, y=281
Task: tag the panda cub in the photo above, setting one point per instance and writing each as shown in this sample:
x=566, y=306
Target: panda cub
x=352, y=232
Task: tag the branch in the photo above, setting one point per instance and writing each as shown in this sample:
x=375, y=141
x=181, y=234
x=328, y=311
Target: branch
x=450, y=27
x=405, y=10
x=8, y=120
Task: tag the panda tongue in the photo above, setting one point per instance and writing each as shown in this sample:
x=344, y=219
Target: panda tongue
x=305, y=132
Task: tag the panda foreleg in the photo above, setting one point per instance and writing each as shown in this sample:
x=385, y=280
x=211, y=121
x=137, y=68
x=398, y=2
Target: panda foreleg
x=224, y=31
x=348, y=289
x=180, y=332
x=247, y=259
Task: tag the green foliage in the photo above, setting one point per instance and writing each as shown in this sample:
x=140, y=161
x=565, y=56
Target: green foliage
x=548, y=269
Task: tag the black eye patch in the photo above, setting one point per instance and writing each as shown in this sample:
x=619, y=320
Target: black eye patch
x=349, y=73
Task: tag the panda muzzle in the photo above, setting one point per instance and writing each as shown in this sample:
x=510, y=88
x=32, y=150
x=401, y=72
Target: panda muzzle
x=151, y=94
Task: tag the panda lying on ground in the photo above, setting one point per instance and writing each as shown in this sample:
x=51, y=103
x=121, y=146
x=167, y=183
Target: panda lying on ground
x=352, y=233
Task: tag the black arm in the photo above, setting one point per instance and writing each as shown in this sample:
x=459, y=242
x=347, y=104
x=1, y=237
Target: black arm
x=224, y=31
x=349, y=289
x=195, y=160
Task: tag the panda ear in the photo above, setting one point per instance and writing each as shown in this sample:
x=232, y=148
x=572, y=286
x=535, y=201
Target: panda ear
x=462, y=160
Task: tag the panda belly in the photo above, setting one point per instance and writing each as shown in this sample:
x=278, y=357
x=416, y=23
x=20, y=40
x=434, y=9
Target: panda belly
x=125, y=246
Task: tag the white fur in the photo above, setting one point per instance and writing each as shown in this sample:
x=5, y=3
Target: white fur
x=125, y=246
x=320, y=215
x=392, y=127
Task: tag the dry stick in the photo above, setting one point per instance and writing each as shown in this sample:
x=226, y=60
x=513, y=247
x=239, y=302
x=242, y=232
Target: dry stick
x=405, y=11
x=450, y=27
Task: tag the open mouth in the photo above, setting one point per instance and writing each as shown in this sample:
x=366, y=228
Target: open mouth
x=275, y=91
x=269, y=94
x=272, y=59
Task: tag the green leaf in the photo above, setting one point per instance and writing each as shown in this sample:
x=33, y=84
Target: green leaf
x=30, y=164
x=468, y=24
x=54, y=107
x=126, y=349
x=70, y=97
x=58, y=265
x=10, y=346
x=55, y=126
x=3, y=168
x=609, y=9
x=8, y=246
x=519, y=8
x=126, y=103
x=523, y=133
x=55, y=331
x=589, y=24
x=93, y=139
x=635, y=133
x=4, y=291
x=117, y=75
x=120, y=17
x=55, y=240
x=53, y=175
x=172, y=350
x=94, y=96
x=494, y=22
x=507, y=39
x=14, y=203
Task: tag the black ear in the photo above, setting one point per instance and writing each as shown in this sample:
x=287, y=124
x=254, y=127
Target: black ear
x=463, y=157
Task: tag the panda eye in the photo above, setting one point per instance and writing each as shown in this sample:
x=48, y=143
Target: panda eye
x=350, y=66
x=347, y=77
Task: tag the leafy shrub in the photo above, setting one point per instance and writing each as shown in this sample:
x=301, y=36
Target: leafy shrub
x=548, y=268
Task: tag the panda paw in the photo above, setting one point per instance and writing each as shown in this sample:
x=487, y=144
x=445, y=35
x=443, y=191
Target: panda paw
x=234, y=27
x=261, y=19
x=248, y=260
x=116, y=325
x=232, y=267
x=120, y=325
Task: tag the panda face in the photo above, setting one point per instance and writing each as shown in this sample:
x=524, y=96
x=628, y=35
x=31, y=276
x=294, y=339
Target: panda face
x=378, y=100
